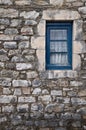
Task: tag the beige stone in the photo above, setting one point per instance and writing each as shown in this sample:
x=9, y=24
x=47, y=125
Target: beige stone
x=57, y=2
x=38, y=43
x=41, y=59
x=60, y=15
x=23, y=2
x=41, y=28
x=76, y=62
x=26, y=90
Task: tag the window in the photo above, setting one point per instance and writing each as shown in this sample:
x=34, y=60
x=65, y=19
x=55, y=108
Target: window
x=58, y=45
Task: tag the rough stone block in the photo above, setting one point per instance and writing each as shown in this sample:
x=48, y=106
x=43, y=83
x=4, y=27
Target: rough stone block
x=12, y=13
x=28, y=99
x=22, y=2
x=10, y=45
x=30, y=22
x=36, y=91
x=8, y=99
x=26, y=90
x=56, y=92
x=32, y=74
x=23, y=45
x=45, y=98
x=57, y=2
x=8, y=109
x=6, y=37
x=27, y=31
x=17, y=91
x=22, y=108
x=6, y=2
x=11, y=31
x=5, y=82
x=82, y=10
x=4, y=21
x=23, y=66
x=21, y=83
x=29, y=15
x=6, y=91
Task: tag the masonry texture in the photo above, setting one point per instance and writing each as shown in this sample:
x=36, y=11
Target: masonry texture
x=31, y=97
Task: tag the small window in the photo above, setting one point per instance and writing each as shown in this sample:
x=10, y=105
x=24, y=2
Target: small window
x=58, y=45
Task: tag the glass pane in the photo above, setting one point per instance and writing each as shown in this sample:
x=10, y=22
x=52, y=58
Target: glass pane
x=59, y=59
x=58, y=34
x=58, y=46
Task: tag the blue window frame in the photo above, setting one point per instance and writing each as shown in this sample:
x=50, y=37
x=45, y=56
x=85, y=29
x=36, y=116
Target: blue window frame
x=58, y=45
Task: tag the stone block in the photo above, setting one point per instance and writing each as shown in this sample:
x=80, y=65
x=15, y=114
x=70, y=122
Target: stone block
x=32, y=74
x=22, y=107
x=21, y=83
x=17, y=91
x=59, y=3
x=56, y=92
x=54, y=108
x=38, y=43
x=5, y=82
x=6, y=2
x=10, y=45
x=41, y=28
x=36, y=91
x=4, y=21
x=45, y=98
x=26, y=90
x=8, y=109
x=22, y=2
x=6, y=37
x=37, y=107
x=76, y=83
x=23, y=45
x=3, y=58
x=16, y=59
x=78, y=101
x=27, y=30
x=6, y=91
x=32, y=15
x=21, y=38
x=12, y=13
x=3, y=119
x=30, y=58
x=28, y=99
x=82, y=10
x=36, y=83
x=15, y=22
x=30, y=22
x=8, y=99
x=23, y=66
x=11, y=31
x=60, y=15
x=82, y=93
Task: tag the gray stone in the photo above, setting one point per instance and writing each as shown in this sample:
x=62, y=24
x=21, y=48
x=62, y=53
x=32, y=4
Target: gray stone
x=14, y=52
x=6, y=91
x=2, y=52
x=15, y=22
x=76, y=124
x=4, y=58
x=56, y=92
x=12, y=13
x=11, y=31
x=36, y=83
x=17, y=59
x=36, y=91
x=23, y=66
x=29, y=15
x=8, y=99
x=37, y=107
x=45, y=91
x=3, y=119
x=8, y=109
x=1, y=65
x=54, y=108
x=82, y=10
x=27, y=31
x=6, y=2
x=76, y=83
x=49, y=116
x=22, y=2
x=9, y=73
x=10, y=45
x=30, y=58
x=78, y=101
x=82, y=111
x=21, y=83
x=30, y=22
x=16, y=120
x=17, y=91
x=28, y=99
x=32, y=74
x=5, y=82
x=23, y=45
x=41, y=123
x=6, y=37
x=22, y=108
x=10, y=65
x=4, y=21
x=46, y=98
x=20, y=38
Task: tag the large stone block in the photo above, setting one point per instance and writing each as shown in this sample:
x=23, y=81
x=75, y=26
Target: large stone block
x=4, y=21
x=28, y=99
x=22, y=2
x=10, y=45
x=12, y=13
x=21, y=83
x=22, y=107
x=6, y=2
x=29, y=15
x=5, y=82
x=23, y=66
x=8, y=99
x=8, y=109
x=11, y=31
x=6, y=37
x=82, y=10
x=57, y=2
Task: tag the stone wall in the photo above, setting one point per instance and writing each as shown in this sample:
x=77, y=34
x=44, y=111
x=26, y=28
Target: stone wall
x=31, y=97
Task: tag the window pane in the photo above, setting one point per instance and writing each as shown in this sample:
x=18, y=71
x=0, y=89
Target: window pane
x=59, y=59
x=58, y=34
x=58, y=46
